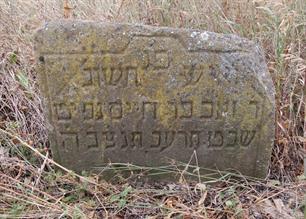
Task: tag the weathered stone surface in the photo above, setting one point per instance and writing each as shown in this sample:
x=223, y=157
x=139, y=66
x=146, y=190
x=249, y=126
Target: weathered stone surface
x=140, y=94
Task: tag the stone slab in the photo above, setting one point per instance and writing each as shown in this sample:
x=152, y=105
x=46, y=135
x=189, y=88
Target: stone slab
x=137, y=94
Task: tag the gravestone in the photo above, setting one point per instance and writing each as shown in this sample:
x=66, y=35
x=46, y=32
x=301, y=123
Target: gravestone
x=144, y=95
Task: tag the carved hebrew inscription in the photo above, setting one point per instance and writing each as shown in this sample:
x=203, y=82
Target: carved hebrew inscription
x=177, y=110
x=138, y=94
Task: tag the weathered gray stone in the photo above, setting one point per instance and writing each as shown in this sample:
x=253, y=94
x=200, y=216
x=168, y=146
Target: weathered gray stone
x=140, y=94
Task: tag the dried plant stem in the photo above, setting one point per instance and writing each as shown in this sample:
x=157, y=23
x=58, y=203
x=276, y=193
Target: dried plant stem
x=12, y=136
x=304, y=98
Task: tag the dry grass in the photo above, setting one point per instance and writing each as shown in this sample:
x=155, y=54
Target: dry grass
x=29, y=185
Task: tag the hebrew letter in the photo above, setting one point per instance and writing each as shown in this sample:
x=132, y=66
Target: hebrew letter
x=125, y=140
x=91, y=140
x=98, y=112
x=63, y=111
x=208, y=109
x=195, y=139
x=215, y=139
x=157, y=136
x=133, y=76
x=169, y=138
x=174, y=106
x=109, y=139
x=246, y=137
x=255, y=105
x=232, y=135
x=187, y=109
x=136, y=139
x=138, y=73
x=185, y=135
x=112, y=76
x=87, y=78
x=192, y=74
x=222, y=109
x=115, y=109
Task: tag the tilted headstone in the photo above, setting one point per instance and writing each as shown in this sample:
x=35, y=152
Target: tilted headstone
x=143, y=95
